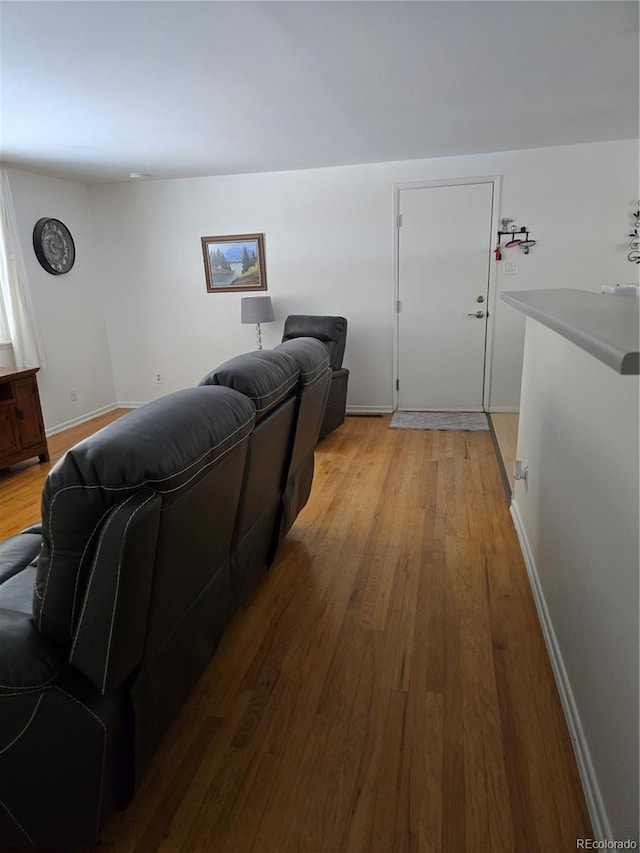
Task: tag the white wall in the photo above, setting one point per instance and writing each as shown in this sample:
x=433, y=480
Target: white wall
x=327, y=234
x=578, y=521
x=68, y=308
x=329, y=249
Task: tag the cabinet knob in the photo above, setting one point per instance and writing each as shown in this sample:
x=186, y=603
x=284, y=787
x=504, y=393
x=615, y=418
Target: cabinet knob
x=20, y=414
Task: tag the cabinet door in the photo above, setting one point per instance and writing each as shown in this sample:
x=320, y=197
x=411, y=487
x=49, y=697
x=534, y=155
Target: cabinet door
x=9, y=435
x=25, y=393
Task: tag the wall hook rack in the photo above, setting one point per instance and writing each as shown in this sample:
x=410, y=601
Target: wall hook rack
x=634, y=243
x=518, y=238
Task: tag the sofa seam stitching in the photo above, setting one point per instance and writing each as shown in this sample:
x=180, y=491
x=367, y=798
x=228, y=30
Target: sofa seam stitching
x=18, y=824
x=104, y=752
x=132, y=487
x=115, y=601
x=93, y=570
x=25, y=727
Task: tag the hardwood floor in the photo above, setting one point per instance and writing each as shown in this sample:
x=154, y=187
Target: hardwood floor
x=20, y=485
x=385, y=689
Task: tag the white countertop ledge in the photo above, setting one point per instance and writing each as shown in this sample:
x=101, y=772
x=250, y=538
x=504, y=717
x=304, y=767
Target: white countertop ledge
x=607, y=327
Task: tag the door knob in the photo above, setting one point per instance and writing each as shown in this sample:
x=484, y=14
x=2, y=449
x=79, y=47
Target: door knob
x=478, y=314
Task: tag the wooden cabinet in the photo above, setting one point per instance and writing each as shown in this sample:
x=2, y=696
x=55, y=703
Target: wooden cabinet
x=21, y=427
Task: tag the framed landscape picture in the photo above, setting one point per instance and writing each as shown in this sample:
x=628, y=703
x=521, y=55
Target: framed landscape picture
x=234, y=263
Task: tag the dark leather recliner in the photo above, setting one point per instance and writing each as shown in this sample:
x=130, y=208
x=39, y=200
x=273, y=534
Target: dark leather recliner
x=332, y=331
x=314, y=385
x=279, y=473
x=268, y=457
x=152, y=532
x=104, y=633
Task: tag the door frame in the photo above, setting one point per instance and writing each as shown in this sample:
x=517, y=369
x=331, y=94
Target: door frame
x=496, y=180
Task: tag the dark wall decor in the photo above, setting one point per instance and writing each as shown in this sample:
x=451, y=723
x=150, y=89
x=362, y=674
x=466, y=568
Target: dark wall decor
x=634, y=242
x=53, y=245
x=518, y=238
x=235, y=262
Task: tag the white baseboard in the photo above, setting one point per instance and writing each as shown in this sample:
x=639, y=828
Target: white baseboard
x=504, y=410
x=358, y=410
x=89, y=415
x=369, y=410
x=81, y=419
x=121, y=405
x=595, y=804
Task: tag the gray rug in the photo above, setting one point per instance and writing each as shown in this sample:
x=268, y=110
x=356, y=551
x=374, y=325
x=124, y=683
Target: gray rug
x=440, y=420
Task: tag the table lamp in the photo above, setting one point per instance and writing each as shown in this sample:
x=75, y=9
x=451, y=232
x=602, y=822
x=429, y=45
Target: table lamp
x=256, y=309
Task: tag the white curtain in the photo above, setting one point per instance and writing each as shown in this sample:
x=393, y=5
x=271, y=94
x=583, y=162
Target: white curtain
x=14, y=289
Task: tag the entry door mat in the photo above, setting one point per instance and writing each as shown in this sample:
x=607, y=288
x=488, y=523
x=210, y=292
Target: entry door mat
x=474, y=421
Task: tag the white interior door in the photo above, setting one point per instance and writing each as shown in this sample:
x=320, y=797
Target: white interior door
x=444, y=253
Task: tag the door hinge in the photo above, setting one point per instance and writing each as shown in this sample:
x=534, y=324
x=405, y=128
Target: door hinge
x=398, y=306
x=397, y=384
x=399, y=220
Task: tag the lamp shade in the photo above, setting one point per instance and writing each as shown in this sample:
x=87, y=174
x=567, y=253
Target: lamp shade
x=256, y=309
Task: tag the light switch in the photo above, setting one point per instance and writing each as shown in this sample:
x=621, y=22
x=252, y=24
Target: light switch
x=510, y=268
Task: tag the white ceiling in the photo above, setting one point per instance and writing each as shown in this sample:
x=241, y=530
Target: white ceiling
x=95, y=90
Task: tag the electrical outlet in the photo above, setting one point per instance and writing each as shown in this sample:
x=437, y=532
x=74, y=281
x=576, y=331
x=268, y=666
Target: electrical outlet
x=73, y=394
x=158, y=378
x=510, y=268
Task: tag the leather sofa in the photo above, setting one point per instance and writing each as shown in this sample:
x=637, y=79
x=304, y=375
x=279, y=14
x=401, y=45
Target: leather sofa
x=153, y=532
x=332, y=331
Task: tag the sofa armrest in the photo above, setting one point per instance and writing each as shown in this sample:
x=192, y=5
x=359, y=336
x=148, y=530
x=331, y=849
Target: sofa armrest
x=110, y=635
x=17, y=552
x=28, y=662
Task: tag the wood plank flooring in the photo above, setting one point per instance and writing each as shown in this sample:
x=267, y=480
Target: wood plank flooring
x=386, y=689
x=20, y=485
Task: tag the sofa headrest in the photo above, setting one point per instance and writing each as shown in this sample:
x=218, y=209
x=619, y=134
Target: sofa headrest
x=332, y=331
x=311, y=357
x=165, y=446
x=265, y=376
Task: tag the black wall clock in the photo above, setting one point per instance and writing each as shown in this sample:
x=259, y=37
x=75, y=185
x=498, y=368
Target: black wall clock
x=53, y=245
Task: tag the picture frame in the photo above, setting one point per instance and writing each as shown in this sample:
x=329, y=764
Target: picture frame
x=234, y=262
